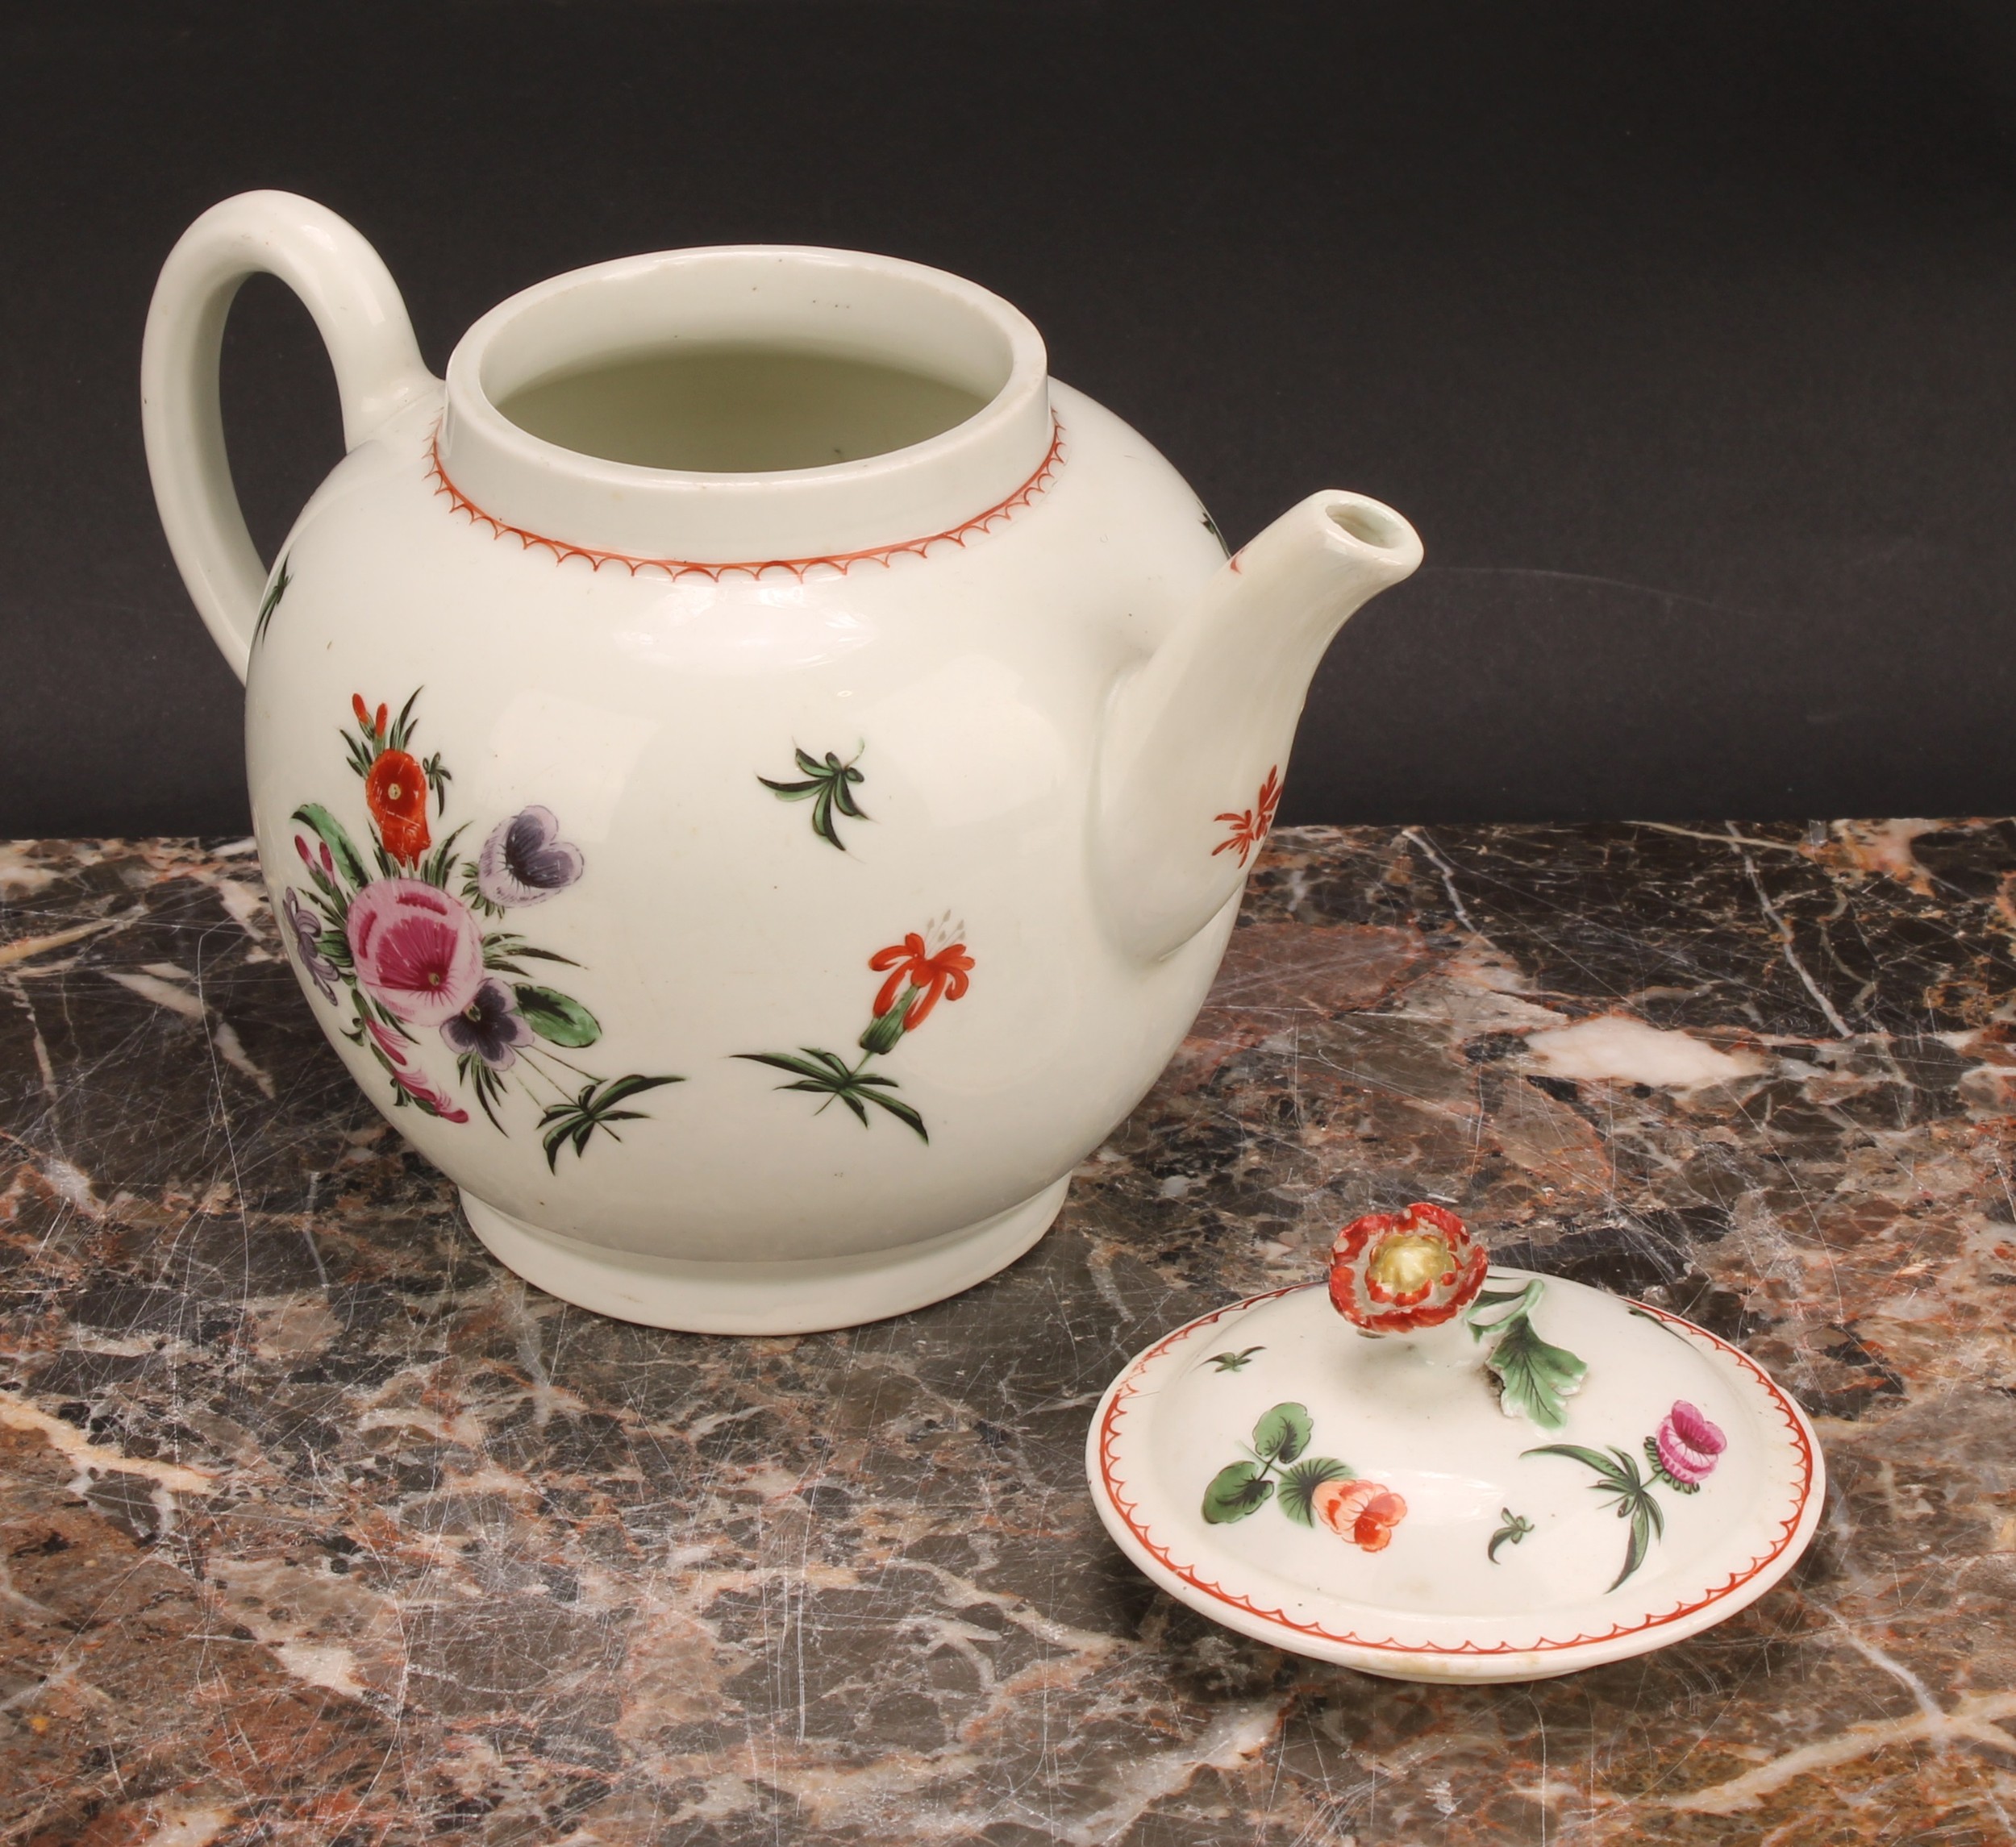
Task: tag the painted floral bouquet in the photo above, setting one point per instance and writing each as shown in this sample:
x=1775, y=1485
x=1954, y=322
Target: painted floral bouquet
x=396, y=940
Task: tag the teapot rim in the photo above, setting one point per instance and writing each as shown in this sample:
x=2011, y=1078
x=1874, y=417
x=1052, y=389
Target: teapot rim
x=806, y=297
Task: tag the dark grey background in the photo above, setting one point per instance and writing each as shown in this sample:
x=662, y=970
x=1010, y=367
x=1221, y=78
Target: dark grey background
x=1682, y=331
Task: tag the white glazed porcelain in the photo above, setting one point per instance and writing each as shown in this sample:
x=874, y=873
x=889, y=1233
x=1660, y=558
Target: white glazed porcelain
x=755, y=890
x=1386, y=1502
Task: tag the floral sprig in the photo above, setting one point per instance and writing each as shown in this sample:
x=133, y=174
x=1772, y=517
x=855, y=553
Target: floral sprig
x=1313, y=1491
x=1515, y=1526
x=926, y=968
x=270, y=602
x=411, y=959
x=1234, y=1361
x=1251, y=826
x=829, y=785
x=1683, y=1453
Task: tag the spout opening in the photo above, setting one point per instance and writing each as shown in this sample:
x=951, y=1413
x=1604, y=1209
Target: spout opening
x=1370, y=524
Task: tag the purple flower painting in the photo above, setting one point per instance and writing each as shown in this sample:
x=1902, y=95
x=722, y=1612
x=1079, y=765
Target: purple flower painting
x=307, y=933
x=490, y=1027
x=525, y=861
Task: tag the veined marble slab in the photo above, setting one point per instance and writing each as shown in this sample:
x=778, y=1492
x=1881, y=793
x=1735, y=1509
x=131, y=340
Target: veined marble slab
x=319, y=1526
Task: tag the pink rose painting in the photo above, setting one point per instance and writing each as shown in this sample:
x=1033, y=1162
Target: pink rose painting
x=408, y=963
x=1685, y=1447
x=417, y=949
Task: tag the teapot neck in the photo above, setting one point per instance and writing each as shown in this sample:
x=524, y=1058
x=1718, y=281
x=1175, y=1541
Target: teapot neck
x=865, y=318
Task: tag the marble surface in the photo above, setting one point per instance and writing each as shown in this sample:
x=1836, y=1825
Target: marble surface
x=318, y=1527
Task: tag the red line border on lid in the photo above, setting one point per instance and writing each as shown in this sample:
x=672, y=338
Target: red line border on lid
x=840, y=562
x=1127, y=1510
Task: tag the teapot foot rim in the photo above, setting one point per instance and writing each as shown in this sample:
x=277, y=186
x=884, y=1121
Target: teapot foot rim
x=802, y=1295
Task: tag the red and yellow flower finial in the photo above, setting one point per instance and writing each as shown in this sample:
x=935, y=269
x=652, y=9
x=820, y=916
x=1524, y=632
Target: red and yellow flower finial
x=1394, y=1273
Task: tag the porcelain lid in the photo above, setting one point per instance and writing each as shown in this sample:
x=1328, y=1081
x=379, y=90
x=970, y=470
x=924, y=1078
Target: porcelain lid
x=1547, y=1477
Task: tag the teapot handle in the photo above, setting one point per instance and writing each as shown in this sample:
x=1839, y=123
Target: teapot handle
x=363, y=322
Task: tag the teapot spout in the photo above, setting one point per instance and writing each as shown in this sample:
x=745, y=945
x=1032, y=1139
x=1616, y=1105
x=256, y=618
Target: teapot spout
x=1196, y=739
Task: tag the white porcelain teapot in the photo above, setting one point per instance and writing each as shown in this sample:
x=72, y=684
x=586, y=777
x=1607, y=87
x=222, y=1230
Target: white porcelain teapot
x=756, y=775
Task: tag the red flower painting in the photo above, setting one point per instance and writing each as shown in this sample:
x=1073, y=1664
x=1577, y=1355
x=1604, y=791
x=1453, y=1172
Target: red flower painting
x=930, y=977
x=1251, y=825
x=1394, y=1273
x=926, y=967
x=395, y=791
x=1363, y=1512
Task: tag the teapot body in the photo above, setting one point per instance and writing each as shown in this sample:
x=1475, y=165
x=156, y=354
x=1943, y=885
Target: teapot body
x=755, y=777
x=726, y=933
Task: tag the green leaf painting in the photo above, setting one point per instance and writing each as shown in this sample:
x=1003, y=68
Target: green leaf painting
x=829, y=785
x=350, y=865
x=1516, y=1528
x=1233, y=1362
x=1283, y=1434
x=1277, y=1464
x=1299, y=1485
x=593, y=1107
x=1534, y=1377
x=556, y=1018
x=1236, y=1492
x=1618, y=1476
x=827, y=1074
x=271, y=601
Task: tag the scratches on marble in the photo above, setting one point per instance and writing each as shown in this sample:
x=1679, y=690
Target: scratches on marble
x=161, y=984
x=94, y=1459
x=1727, y=836
x=28, y=948
x=1788, y=948
x=150, y=986
x=1418, y=838
x=1236, y=1734
x=463, y=1565
x=1974, y=1718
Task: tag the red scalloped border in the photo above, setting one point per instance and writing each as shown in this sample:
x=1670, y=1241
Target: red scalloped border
x=1126, y=1509
x=675, y=568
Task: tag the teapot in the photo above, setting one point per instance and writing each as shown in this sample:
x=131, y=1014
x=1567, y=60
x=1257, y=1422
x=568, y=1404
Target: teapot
x=755, y=777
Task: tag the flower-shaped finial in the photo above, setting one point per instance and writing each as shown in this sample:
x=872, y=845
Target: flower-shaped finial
x=1395, y=1273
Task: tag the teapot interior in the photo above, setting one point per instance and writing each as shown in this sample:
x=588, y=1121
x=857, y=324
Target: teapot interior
x=745, y=401
x=738, y=408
